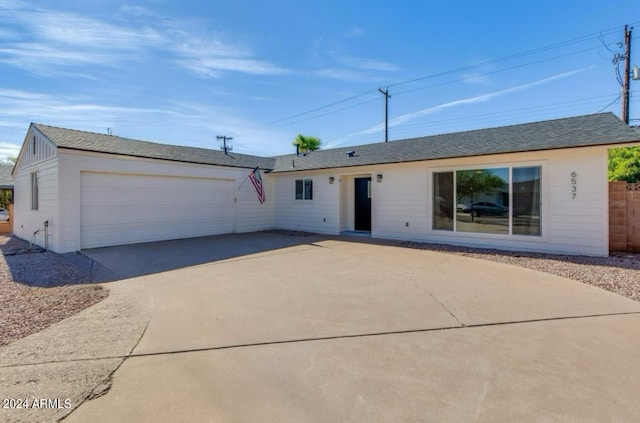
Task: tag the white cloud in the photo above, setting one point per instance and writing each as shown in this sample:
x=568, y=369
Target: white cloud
x=176, y=122
x=366, y=64
x=356, y=32
x=346, y=75
x=477, y=79
x=470, y=100
x=60, y=42
x=219, y=58
x=8, y=149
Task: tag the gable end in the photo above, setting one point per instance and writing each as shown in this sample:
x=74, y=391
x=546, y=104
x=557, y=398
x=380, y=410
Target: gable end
x=36, y=148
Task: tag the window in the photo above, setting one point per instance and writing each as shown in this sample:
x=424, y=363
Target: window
x=34, y=191
x=484, y=197
x=443, y=201
x=499, y=200
x=304, y=189
x=526, y=200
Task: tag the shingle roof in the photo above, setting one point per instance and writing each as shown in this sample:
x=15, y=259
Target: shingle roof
x=581, y=131
x=103, y=143
x=597, y=129
x=6, y=180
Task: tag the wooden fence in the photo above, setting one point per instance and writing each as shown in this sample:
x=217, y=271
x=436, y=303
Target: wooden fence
x=624, y=217
x=7, y=227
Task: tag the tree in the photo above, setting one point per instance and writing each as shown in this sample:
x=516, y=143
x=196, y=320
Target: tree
x=624, y=164
x=307, y=143
x=9, y=160
x=470, y=181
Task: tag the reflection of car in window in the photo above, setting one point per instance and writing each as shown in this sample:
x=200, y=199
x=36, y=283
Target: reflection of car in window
x=485, y=208
x=4, y=215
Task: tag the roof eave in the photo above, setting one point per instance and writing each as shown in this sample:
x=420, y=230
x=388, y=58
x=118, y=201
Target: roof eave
x=156, y=158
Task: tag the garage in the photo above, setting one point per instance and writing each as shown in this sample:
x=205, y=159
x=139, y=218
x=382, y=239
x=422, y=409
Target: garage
x=121, y=208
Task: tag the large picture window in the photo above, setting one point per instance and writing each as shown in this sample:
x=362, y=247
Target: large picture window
x=499, y=200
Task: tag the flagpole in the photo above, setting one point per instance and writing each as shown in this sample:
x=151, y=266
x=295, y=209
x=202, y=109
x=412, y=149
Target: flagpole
x=247, y=177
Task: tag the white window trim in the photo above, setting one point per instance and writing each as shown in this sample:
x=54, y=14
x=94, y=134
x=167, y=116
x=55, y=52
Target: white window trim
x=303, y=190
x=542, y=238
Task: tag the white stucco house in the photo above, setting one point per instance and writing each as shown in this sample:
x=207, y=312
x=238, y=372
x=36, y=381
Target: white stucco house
x=532, y=187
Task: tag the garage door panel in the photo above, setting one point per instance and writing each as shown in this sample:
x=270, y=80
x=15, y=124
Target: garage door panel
x=123, y=209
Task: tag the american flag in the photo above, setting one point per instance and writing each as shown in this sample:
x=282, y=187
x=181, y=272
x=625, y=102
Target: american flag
x=256, y=180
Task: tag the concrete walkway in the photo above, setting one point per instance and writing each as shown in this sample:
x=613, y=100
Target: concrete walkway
x=331, y=330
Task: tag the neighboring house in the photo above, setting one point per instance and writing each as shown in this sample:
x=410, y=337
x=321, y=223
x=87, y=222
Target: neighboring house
x=6, y=180
x=551, y=177
x=6, y=198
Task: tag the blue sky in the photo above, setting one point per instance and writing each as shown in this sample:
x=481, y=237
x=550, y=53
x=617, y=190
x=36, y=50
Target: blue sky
x=261, y=72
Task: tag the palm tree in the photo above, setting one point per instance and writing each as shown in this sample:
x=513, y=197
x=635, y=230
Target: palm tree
x=307, y=143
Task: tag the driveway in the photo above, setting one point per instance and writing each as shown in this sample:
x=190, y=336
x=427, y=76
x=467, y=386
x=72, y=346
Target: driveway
x=327, y=330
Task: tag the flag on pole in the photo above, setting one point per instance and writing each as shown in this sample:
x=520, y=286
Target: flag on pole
x=256, y=180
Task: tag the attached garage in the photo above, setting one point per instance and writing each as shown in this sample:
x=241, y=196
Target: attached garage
x=121, y=208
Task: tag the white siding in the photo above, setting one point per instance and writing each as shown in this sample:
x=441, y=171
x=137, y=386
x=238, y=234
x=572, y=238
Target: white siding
x=36, y=149
x=27, y=221
x=321, y=214
x=37, y=155
x=579, y=225
x=249, y=214
x=401, y=202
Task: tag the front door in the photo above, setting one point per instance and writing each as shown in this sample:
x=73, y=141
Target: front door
x=363, y=204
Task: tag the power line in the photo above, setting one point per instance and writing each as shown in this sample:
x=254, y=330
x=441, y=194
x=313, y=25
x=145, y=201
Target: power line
x=323, y=107
x=507, y=58
x=586, y=104
x=459, y=69
x=500, y=70
x=425, y=87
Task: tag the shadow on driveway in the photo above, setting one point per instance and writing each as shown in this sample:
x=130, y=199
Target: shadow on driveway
x=128, y=261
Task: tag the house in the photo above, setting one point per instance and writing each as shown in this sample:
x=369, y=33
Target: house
x=6, y=199
x=534, y=187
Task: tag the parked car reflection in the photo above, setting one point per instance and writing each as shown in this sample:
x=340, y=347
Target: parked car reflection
x=485, y=208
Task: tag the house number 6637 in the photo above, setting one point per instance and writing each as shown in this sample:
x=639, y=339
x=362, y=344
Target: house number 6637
x=574, y=185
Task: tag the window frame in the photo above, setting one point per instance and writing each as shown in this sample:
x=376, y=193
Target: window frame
x=304, y=182
x=542, y=237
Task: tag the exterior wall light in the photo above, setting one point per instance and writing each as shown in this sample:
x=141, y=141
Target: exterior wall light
x=379, y=177
x=331, y=179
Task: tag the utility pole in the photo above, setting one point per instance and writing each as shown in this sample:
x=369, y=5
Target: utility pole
x=386, y=112
x=627, y=73
x=224, y=147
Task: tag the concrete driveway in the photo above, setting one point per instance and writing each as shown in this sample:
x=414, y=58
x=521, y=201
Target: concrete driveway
x=333, y=330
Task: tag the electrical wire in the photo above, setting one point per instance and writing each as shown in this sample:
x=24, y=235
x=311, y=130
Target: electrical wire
x=553, y=46
x=539, y=112
x=610, y=104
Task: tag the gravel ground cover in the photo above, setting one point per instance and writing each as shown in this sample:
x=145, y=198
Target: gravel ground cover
x=619, y=272
x=39, y=289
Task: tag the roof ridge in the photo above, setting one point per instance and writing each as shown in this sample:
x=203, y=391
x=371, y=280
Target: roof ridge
x=479, y=130
x=506, y=126
x=143, y=141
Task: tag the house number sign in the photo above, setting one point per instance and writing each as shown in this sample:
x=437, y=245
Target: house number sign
x=574, y=185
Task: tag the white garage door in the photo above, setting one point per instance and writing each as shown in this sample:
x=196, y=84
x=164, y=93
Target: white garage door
x=125, y=209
